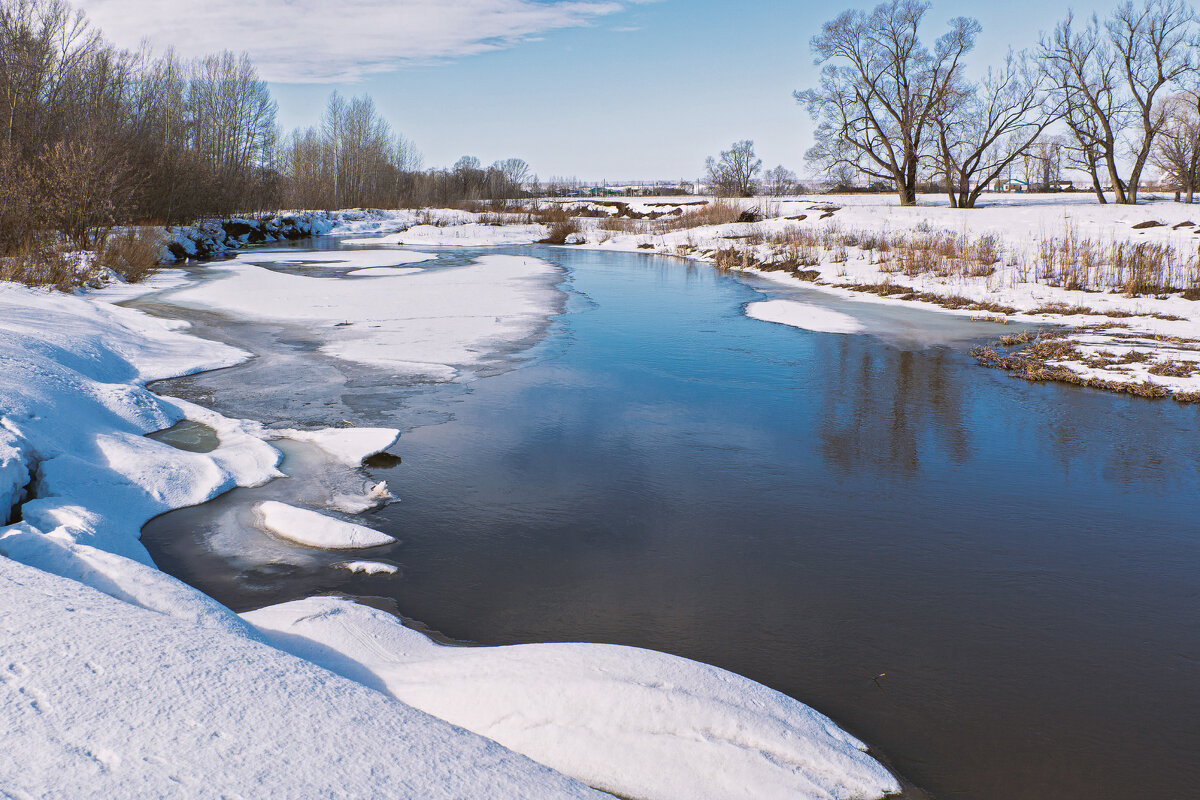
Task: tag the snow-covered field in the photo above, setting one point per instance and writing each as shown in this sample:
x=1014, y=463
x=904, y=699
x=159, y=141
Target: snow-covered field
x=117, y=680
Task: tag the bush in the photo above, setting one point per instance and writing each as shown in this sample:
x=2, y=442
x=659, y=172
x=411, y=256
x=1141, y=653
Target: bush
x=132, y=254
x=561, y=223
x=35, y=263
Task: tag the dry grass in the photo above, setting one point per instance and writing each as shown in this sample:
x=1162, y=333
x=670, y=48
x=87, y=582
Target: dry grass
x=956, y=302
x=1135, y=268
x=734, y=258
x=132, y=254
x=622, y=225
x=1175, y=369
x=1041, y=361
x=559, y=232
x=36, y=263
x=718, y=212
x=561, y=223
x=1107, y=360
x=1014, y=339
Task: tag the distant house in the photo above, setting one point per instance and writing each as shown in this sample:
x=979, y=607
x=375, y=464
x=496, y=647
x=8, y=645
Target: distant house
x=1014, y=185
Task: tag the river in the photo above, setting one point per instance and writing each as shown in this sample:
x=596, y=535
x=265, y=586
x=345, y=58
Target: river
x=993, y=583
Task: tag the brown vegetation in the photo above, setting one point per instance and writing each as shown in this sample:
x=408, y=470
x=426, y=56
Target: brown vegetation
x=718, y=212
x=132, y=254
x=1041, y=360
x=36, y=263
x=561, y=223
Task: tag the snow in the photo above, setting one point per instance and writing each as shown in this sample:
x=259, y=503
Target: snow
x=313, y=529
x=374, y=497
x=383, y=262
x=629, y=721
x=804, y=315
x=378, y=222
x=434, y=324
x=384, y=272
x=14, y=473
x=369, y=567
x=349, y=446
x=99, y=698
x=75, y=413
x=471, y=234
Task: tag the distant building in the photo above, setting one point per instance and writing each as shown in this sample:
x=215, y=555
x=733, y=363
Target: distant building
x=1014, y=185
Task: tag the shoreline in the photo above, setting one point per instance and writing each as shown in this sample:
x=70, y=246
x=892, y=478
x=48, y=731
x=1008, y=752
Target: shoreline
x=985, y=257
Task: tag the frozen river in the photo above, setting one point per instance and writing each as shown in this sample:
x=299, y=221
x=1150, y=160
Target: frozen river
x=993, y=583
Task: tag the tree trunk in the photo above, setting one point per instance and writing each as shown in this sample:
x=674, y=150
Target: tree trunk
x=1118, y=188
x=1096, y=185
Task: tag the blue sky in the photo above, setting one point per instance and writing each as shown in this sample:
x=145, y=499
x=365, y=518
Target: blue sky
x=599, y=89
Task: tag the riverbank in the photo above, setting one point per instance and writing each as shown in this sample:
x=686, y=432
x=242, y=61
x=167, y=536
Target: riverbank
x=1121, y=284
x=132, y=706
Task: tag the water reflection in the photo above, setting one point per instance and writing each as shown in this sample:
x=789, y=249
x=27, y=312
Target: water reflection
x=890, y=408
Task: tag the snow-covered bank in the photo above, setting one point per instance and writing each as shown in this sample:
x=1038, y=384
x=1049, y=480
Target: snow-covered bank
x=100, y=698
x=469, y=235
x=217, y=238
x=118, y=680
x=678, y=730
x=75, y=415
x=1121, y=278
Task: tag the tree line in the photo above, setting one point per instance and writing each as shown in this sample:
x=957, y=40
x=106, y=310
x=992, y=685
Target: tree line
x=93, y=136
x=1121, y=93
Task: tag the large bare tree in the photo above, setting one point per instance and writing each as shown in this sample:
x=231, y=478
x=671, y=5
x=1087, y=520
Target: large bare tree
x=1109, y=78
x=986, y=126
x=882, y=88
x=1177, y=149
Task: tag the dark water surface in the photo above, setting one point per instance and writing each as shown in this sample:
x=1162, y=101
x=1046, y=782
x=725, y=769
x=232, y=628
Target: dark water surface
x=994, y=583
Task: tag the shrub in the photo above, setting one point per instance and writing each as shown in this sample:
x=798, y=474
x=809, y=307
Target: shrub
x=561, y=223
x=133, y=254
x=38, y=263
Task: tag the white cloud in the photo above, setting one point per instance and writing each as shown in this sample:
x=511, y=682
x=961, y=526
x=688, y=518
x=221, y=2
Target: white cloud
x=299, y=41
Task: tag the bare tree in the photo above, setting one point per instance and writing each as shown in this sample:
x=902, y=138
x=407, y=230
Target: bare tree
x=733, y=175
x=512, y=173
x=1046, y=155
x=780, y=181
x=881, y=89
x=1156, y=42
x=985, y=127
x=231, y=122
x=1177, y=149
x=1109, y=80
